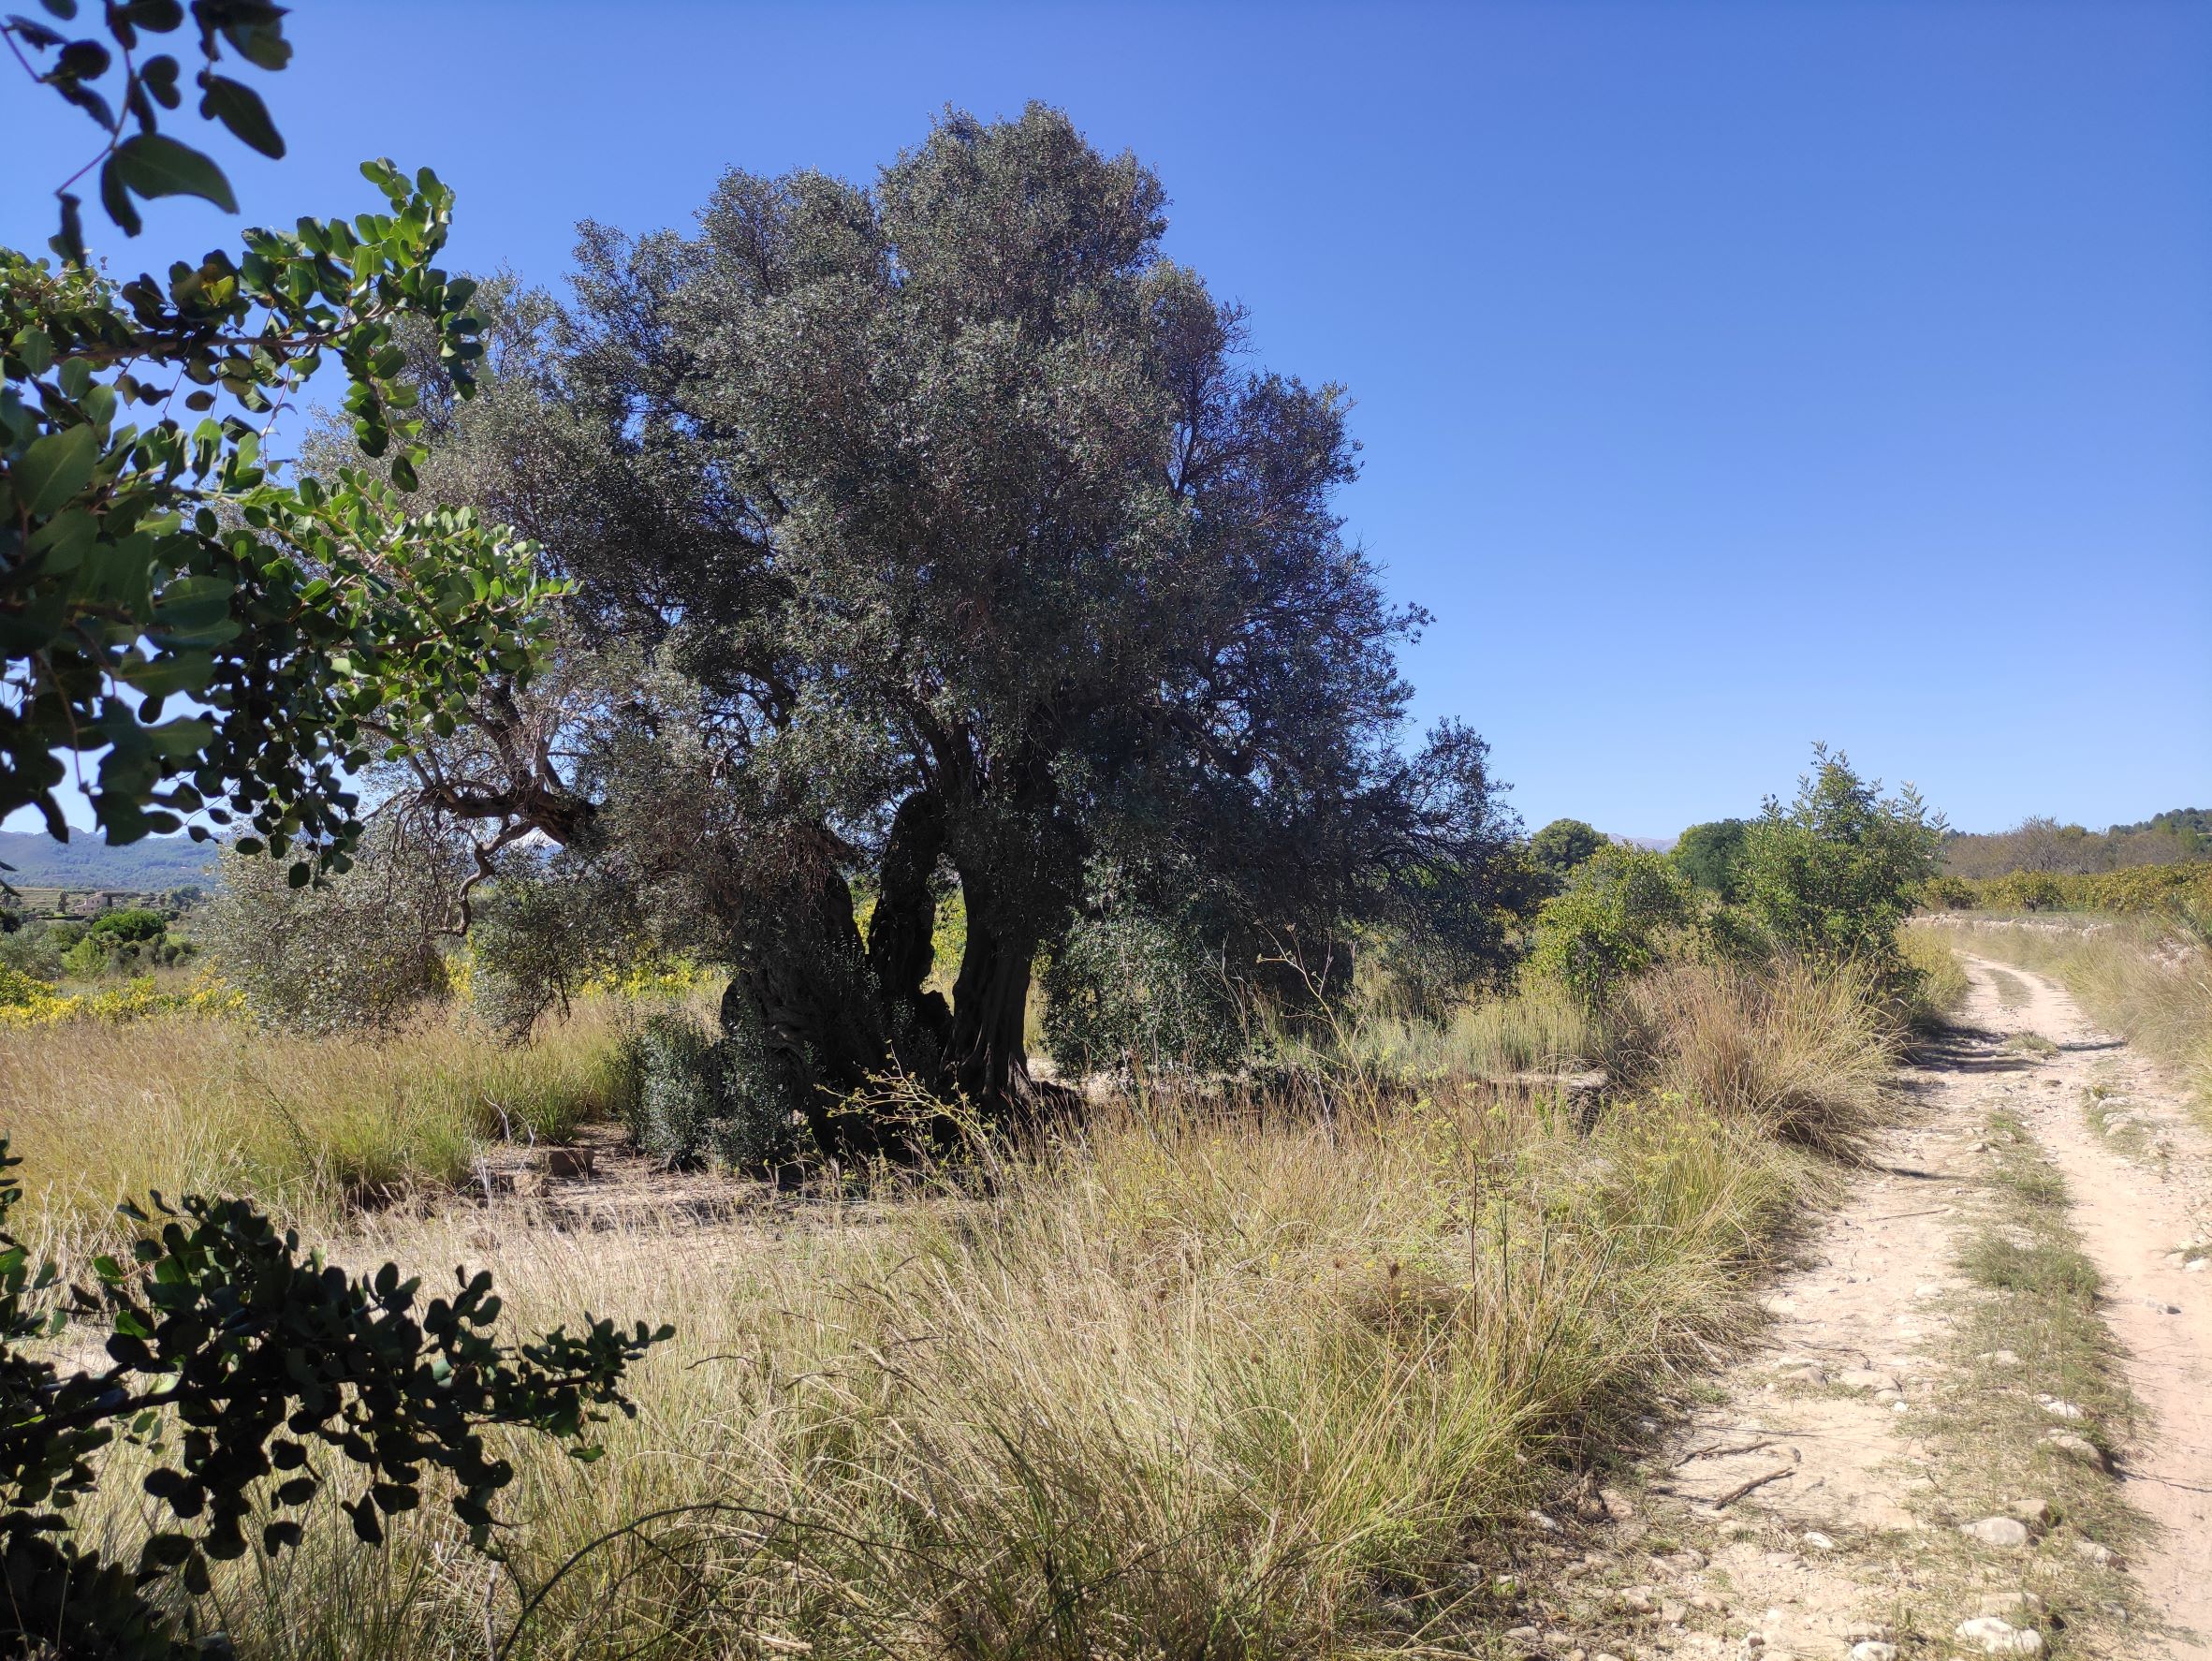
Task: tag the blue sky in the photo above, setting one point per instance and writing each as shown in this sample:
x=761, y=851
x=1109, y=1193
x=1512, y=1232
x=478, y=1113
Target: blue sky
x=1730, y=374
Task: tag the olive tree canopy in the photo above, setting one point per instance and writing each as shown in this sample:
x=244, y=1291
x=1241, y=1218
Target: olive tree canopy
x=950, y=535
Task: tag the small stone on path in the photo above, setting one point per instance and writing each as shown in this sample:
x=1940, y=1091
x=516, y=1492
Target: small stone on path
x=2073, y=1446
x=2007, y=1533
x=2000, y=1637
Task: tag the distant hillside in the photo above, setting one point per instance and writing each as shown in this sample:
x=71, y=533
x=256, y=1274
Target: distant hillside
x=155, y=865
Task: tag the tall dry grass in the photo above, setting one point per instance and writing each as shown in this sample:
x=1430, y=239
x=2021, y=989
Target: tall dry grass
x=1184, y=1382
x=1539, y=1027
x=1939, y=983
x=314, y=1128
x=2146, y=978
x=1180, y=1383
x=1795, y=1052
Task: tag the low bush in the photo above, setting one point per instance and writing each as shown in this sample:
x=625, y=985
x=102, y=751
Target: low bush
x=686, y=1103
x=358, y=954
x=1622, y=911
x=1832, y=875
x=1131, y=988
x=131, y=924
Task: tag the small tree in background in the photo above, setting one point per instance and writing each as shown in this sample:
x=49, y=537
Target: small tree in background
x=1615, y=920
x=1708, y=855
x=1561, y=847
x=358, y=952
x=1832, y=874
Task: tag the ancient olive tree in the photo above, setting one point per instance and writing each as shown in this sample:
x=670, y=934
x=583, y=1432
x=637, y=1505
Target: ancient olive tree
x=941, y=532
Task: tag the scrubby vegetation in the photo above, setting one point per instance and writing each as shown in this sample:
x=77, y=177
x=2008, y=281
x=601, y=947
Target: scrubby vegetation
x=2044, y=846
x=2182, y=893
x=1247, y=1357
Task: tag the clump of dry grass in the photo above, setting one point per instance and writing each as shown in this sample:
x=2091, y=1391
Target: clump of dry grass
x=2146, y=979
x=1803, y=1054
x=312, y=1126
x=1538, y=1027
x=1939, y=980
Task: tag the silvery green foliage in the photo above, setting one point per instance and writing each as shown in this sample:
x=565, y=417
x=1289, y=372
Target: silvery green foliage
x=1137, y=988
x=967, y=544
x=677, y=1089
x=360, y=953
x=697, y=1099
x=543, y=930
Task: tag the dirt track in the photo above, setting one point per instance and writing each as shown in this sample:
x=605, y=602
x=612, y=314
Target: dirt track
x=1820, y=1487
x=2135, y=1210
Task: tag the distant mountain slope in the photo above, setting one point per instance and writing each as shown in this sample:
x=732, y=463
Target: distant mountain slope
x=156, y=865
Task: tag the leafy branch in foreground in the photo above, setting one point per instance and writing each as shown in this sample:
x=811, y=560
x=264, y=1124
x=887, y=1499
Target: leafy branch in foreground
x=157, y=561
x=239, y=1361
x=150, y=162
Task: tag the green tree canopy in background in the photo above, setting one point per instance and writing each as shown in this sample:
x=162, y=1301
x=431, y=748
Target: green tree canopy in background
x=1562, y=844
x=1708, y=855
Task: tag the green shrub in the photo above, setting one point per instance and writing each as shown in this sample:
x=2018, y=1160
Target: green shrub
x=1833, y=875
x=87, y=958
x=1614, y=921
x=34, y=949
x=134, y=923
x=2027, y=890
x=1134, y=989
x=269, y=1373
x=690, y=1097
x=542, y=932
x=1948, y=893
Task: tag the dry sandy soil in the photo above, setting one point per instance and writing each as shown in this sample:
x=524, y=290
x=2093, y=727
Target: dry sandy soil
x=1814, y=1507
